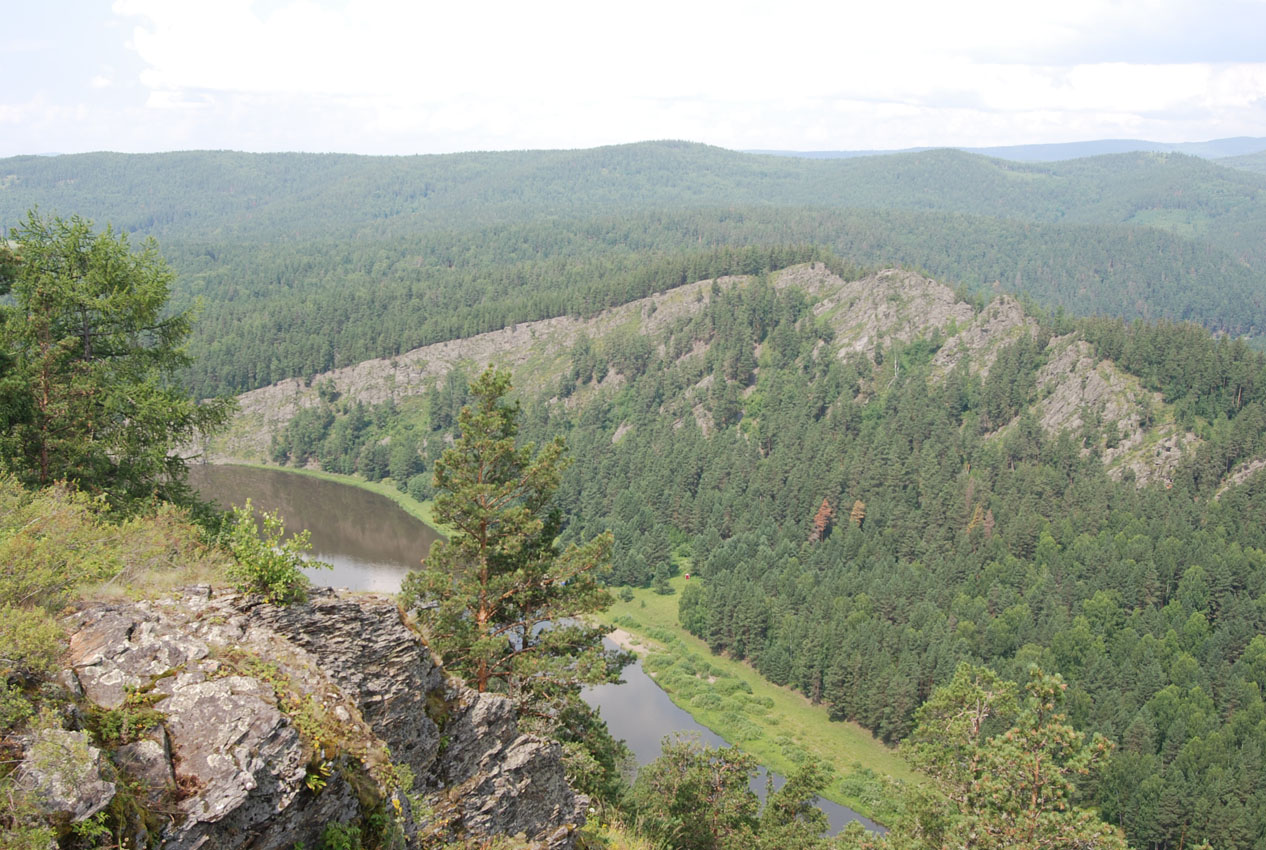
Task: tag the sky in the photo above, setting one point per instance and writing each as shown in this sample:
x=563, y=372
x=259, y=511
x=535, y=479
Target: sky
x=388, y=77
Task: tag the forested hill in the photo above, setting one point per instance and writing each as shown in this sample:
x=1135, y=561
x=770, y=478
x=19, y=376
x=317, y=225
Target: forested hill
x=876, y=480
x=307, y=262
x=1248, y=162
x=213, y=194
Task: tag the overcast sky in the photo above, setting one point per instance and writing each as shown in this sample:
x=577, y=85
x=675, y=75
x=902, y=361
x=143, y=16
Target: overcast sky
x=387, y=77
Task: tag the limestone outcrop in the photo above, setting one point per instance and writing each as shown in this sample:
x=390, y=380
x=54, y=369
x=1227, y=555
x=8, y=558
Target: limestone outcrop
x=1132, y=429
x=241, y=724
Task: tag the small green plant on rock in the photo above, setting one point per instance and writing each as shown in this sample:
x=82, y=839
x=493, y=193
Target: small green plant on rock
x=115, y=727
x=263, y=562
x=341, y=836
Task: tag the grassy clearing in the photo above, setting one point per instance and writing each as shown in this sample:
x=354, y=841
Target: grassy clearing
x=778, y=726
x=422, y=511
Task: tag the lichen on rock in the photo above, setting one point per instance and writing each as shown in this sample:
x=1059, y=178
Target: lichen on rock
x=65, y=775
x=277, y=721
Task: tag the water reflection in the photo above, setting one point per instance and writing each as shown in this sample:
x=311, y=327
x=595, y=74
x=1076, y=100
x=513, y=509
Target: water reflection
x=371, y=542
x=641, y=713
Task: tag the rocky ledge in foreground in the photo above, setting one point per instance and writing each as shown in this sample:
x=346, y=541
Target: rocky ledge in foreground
x=228, y=723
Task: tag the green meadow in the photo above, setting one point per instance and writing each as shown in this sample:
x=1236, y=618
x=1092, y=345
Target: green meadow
x=777, y=725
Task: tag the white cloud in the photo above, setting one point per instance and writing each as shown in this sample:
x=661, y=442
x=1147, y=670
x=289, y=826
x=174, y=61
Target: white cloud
x=386, y=76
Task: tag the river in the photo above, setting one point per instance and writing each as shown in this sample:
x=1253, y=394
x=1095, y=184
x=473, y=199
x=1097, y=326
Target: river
x=372, y=543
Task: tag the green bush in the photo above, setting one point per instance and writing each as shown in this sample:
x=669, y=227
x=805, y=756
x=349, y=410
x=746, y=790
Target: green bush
x=664, y=636
x=339, y=836
x=727, y=685
x=22, y=824
x=264, y=563
x=30, y=641
x=740, y=728
x=658, y=662
x=114, y=727
x=14, y=707
x=706, y=701
x=683, y=686
x=419, y=487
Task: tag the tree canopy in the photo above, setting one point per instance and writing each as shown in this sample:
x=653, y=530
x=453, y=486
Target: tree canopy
x=697, y=798
x=1006, y=786
x=500, y=602
x=88, y=353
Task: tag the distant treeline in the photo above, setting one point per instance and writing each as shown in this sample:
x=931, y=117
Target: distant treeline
x=307, y=262
x=287, y=310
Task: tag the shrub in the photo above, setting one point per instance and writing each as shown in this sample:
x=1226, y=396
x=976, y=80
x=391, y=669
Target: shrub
x=29, y=642
x=727, y=685
x=706, y=701
x=22, y=824
x=264, y=563
x=14, y=707
x=340, y=836
x=419, y=487
x=658, y=662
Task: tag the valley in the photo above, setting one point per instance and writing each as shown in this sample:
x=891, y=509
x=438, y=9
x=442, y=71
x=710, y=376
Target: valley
x=778, y=726
x=995, y=488
x=371, y=550
x=921, y=428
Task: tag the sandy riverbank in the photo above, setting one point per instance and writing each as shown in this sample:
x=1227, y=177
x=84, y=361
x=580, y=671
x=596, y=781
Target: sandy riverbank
x=627, y=641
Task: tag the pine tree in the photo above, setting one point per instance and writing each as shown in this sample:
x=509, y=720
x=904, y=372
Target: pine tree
x=858, y=515
x=1015, y=788
x=88, y=354
x=498, y=601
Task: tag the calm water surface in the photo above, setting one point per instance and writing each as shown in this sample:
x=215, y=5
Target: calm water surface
x=368, y=538
x=372, y=543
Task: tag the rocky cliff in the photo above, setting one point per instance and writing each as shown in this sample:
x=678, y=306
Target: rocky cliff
x=212, y=720
x=1133, y=430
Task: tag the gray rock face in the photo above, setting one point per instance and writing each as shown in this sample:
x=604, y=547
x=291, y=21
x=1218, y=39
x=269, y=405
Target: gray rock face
x=505, y=783
x=982, y=335
x=1074, y=385
x=384, y=668
x=276, y=721
x=149, y=762
x=869, y=313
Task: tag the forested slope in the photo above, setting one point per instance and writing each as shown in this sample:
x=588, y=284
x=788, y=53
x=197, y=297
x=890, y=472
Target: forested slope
x=977, y=510
x=177, y=196
x=1247, y=162
x=308, y=262
x=876, y=475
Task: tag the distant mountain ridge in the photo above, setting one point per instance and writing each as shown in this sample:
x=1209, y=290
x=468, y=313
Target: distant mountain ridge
x=1248, y=162
x=213, y=194
x=865, y=315
x=1236, y=146
x=307, y=262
